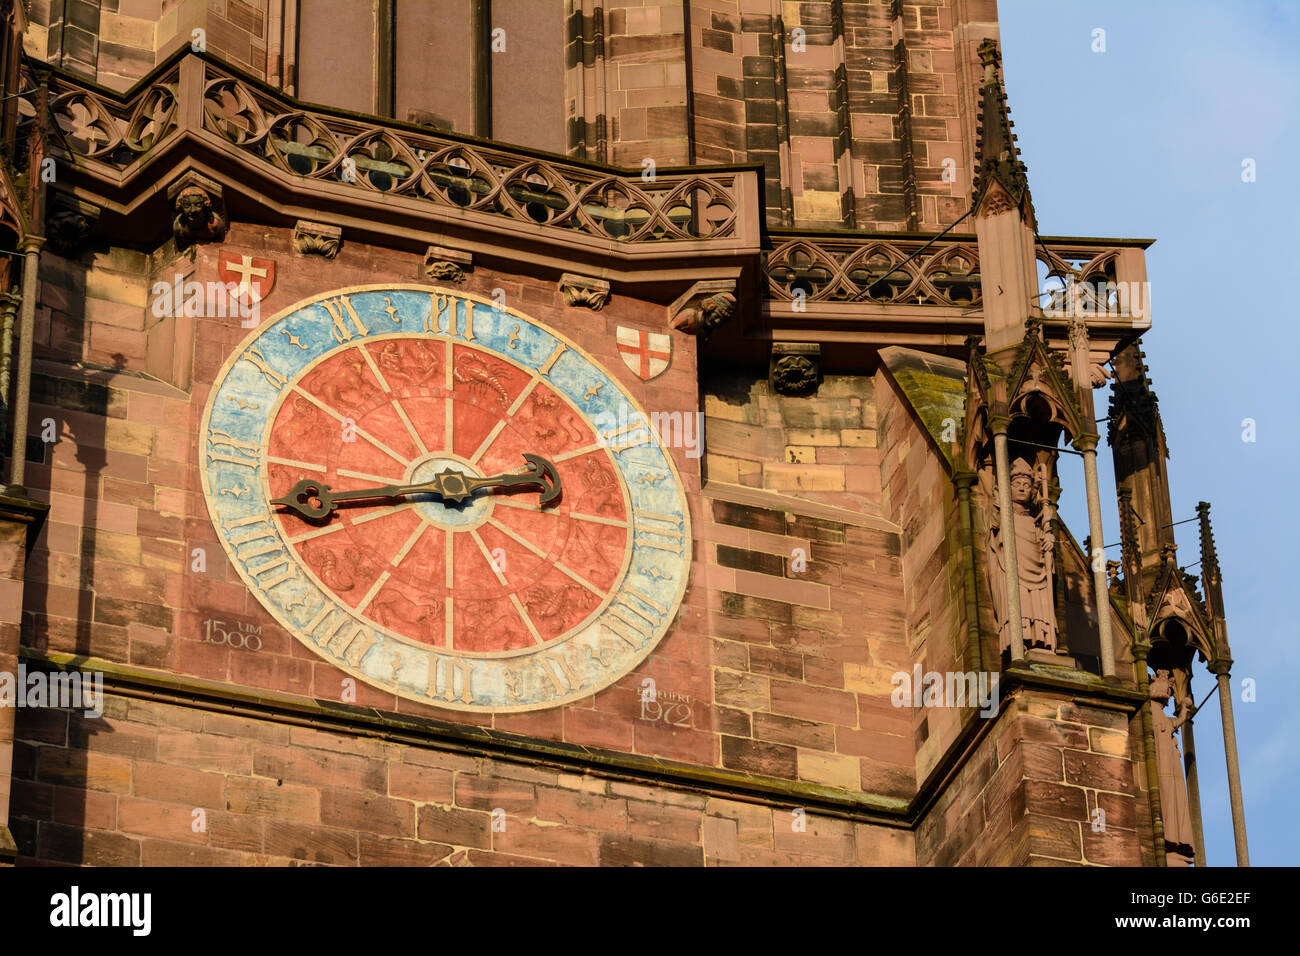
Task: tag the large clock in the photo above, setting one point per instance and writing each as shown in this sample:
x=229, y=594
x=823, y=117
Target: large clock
x=445, y=498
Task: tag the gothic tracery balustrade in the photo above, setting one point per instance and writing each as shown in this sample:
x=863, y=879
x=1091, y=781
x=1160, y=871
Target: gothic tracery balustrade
x=479, y=177
x=872, y=269
x=109, y=136
x=99, y=131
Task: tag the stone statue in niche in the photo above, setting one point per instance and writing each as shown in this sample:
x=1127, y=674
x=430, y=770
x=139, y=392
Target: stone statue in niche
x=1169, y=765
x=1030, y=521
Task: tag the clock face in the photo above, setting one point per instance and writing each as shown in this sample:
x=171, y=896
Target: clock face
x=501, y=583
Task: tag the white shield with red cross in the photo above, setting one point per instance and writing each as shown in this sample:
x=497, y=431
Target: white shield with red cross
x=646, y=353
x=255, y=277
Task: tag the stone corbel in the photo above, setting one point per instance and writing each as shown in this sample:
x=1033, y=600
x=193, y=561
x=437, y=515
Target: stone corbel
x=316, y=239
x=702, y=308
x=447, y=265
x=584, y=290
x=199, y=210
x=795, y=368
x=69, y=224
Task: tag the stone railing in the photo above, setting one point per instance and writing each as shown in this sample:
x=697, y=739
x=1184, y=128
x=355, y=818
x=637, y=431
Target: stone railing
x=872, y=269
x=108, y=136
x=880, y=269
x=480, y=177
x=1101, y=276
x=112, y=139
x=92, y=127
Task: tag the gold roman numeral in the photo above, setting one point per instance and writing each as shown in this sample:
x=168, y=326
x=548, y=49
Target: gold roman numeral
x=341, y=311
x=440, y=302
x=468, y=333
x=287, y=572
x=241, y=452
x=651, y=534
x=630, y=622
x=443, y=674
x=256, y=357
x=335, y=632
x=557, y=669
x=619, y=440
x=545, y=367
x=253, y=537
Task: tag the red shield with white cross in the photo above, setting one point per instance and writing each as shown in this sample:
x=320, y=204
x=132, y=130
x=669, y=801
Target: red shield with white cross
x=255, y=277
x=646, y=353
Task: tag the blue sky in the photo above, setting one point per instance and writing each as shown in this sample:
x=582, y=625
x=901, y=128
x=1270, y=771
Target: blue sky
x=1147, y=139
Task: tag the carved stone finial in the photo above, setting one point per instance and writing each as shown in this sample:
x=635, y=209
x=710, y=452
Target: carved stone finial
x=199, y=210
x=584, y=290
x=704, y=307
x=1209, y=553
x=795, y=368
x=69, y=224
x=1001, y=179
x=447, y=265
x=316, y=239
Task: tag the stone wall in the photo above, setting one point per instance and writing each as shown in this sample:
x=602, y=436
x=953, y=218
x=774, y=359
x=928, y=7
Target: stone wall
x=823, y=115
x=159, y=785
x=115, y=42
x=795, y=679
x=919, y=496
x=1029, y=792
x=820, y=447
x=825, y=561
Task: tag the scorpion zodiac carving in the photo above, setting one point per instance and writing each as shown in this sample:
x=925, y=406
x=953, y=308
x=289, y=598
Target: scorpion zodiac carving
x=474, y=372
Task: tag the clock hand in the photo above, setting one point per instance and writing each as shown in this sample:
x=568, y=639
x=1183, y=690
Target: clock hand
x=451, y=486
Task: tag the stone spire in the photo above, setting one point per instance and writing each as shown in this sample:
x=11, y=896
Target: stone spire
x=1133, y=401
x=1000, y=176
x=1137, y=439
x=1212, y=581
x=1004, y=219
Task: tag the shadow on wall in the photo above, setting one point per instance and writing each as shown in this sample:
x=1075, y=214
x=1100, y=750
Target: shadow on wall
x=61, y=613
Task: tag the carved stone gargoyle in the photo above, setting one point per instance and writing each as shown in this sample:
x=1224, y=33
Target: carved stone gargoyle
x=199, y=210
x=704, y=307
x=68, y=225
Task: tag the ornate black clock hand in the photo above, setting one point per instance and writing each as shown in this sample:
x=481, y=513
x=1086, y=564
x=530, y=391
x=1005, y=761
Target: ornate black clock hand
x=313, y=500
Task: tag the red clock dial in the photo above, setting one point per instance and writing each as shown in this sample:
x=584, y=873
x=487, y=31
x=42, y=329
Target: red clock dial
x=494, y=574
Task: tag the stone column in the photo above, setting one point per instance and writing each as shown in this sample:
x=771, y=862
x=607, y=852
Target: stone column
x=23, y=385
x=1087, y=443
x=1222, y=668
x=9, y=304
x=1140, y=651
x=1002, y=464
x=1193, y=791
